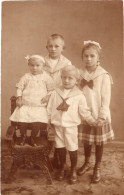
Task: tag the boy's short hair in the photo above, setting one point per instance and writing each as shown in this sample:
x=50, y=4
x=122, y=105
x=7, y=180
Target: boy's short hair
x=71, y=68
x=56, y=36
x=35, y=57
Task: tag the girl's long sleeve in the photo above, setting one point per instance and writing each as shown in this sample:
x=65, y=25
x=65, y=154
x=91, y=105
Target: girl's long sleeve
x=105, y=97
x=85, y=112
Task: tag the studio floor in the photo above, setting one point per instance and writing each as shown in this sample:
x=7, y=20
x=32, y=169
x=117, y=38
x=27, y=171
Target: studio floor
x=32, y=182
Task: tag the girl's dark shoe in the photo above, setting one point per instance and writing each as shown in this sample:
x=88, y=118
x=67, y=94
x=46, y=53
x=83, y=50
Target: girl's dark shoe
x=96, y=175
x=86, y=166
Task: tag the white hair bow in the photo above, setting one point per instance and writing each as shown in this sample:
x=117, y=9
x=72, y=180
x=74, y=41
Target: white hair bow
x=36, y=57
x=93, y=42
x=27, y=57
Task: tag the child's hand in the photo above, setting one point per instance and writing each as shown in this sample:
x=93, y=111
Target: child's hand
x=101, y=122
x=19, y=101
x=50, y=132
x=94, y=124
x=45, y=99
x=49, y=126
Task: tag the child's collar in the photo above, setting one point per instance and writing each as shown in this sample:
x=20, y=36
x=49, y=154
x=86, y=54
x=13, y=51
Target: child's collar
x=73, y=92
x=97, y=72
x=60, y=64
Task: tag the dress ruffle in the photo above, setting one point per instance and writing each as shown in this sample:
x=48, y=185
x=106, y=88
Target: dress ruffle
x=29, y=114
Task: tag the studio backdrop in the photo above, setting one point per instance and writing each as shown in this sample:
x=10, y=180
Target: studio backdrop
x=26, y=25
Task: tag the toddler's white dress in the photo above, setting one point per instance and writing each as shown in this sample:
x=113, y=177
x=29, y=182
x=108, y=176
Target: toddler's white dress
x=32, y=88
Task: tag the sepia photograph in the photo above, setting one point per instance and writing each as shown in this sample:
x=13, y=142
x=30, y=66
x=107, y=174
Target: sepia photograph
x=62, y=98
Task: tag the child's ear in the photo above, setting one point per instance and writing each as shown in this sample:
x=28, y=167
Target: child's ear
x=46, y=46
x=78, y=82
x=64, y=47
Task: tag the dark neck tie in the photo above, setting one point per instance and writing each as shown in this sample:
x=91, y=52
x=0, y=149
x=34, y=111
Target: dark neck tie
x=63, y=106
x=88, y=83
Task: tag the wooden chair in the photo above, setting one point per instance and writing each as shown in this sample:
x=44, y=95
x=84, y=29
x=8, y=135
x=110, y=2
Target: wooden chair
x=27, y=155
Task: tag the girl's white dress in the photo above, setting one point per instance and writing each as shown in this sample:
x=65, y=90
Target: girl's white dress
x=98, y=100
x=32, y=88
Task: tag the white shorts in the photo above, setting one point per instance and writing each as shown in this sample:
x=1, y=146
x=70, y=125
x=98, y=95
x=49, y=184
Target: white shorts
x=66, y=137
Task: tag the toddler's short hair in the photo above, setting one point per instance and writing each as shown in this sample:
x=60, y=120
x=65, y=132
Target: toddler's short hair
x=71, y=69
x=56, y=36
x=35, y=57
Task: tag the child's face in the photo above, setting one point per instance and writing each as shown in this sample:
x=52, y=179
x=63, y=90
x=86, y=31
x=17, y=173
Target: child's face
x=55, y=47
x=35, y=67
x=68, y=80
x=90, y=57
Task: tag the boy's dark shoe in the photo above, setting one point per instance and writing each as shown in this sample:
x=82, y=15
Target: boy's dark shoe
x=61, y=175
x=73, y=176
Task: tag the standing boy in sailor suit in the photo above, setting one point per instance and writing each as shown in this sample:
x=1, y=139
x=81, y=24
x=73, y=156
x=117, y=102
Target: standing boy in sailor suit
x=66, y=107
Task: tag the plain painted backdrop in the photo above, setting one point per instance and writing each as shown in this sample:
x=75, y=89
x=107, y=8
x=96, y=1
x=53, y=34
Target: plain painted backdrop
x=27, y=25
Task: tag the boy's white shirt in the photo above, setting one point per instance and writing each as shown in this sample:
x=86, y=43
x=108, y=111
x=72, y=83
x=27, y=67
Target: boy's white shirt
x=61, y=62
x=53, y=63
x=98, y=98
x=66, y=92
x=77, y=110
x=53, y=68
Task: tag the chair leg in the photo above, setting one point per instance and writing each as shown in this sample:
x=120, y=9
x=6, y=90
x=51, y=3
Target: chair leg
x=13, y=170
x=49, y=164
x=46, y=173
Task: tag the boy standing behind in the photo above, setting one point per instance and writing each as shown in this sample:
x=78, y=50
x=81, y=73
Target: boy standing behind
x=54, y=62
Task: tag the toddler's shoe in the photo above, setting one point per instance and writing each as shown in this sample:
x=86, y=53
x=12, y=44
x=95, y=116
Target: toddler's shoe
x=22, y=143
x=33, y=142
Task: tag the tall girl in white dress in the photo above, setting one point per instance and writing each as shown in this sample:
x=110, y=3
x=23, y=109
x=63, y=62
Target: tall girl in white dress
x=96, y=86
